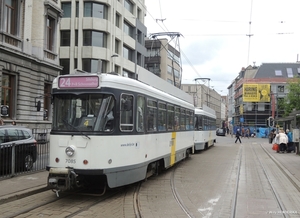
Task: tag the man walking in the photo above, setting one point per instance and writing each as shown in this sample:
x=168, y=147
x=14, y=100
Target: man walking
x=237, y=135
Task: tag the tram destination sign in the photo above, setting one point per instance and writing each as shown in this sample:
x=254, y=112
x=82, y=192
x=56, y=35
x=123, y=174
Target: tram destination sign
x=78, y=82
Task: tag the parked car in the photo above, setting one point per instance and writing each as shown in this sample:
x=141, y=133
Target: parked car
x=221, y=132
x=17, y=140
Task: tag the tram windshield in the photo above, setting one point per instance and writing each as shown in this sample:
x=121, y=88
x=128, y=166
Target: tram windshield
x=86, y=112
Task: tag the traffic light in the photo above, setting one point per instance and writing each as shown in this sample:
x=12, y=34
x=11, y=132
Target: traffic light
x=271, y=122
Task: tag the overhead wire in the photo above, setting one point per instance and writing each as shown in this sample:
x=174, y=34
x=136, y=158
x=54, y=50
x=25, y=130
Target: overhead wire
x=164, y=28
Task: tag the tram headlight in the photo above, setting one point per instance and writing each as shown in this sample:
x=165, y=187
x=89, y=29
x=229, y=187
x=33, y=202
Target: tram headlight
x=70, y=151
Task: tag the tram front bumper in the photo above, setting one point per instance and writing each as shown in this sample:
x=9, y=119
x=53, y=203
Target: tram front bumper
x=61, y=179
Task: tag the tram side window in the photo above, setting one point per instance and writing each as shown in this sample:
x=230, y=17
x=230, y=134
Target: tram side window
x=126, y=112
x=140, y=114
x=200, y=121
x=151, y=115
x=205, y=123
x=162, y=116
x=189, y=120
x=195, y=122
x=182, y=119
x=177, y=117
x=171, y=118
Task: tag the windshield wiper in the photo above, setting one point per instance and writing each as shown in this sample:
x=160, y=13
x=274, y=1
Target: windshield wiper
x=74, y=127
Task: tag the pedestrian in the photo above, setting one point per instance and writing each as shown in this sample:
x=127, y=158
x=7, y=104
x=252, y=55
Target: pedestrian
x=290, y=144
x=14, y=123
x=243, y=132
x=282, y=140
x=272, y=135
x=237, y=135
x=1, y=122
x=247, y=133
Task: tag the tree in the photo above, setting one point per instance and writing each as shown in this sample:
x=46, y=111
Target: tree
x=292, y=101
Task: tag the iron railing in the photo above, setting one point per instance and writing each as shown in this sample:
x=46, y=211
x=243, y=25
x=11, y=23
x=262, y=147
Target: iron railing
x=26, y=158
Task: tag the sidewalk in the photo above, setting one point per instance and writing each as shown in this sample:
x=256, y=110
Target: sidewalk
x=31, y=183
x=289, y=162
x=23, y=185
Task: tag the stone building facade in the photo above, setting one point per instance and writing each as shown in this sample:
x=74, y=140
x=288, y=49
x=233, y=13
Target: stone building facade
x=29, y=60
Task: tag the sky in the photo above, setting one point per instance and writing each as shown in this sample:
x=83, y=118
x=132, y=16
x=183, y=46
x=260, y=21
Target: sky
x=219, y=38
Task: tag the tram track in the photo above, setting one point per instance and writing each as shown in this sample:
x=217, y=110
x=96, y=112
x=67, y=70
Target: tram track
x=33, y=205
x=177, y=197
x=271, y=169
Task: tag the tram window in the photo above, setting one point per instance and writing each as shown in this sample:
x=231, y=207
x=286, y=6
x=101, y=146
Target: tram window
x=140, y=114
x=200, y=120
x=205, y=123
x=195, y=122
x=126, y=113
x=177, y=117
x=151, y=115
x=162, y=116
x=182, y=120
x=171, y=120
x=189, y=120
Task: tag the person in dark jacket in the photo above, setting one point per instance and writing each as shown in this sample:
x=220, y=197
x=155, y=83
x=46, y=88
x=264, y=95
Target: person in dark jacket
x=237, y=135
x=290, y=144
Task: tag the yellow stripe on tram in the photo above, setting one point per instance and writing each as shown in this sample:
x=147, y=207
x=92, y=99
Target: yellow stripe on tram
x=173, y=149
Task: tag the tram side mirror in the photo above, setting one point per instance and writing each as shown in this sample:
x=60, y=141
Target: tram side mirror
x=38, y=106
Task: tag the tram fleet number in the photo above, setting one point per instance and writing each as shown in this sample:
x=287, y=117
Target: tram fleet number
x=71, y=161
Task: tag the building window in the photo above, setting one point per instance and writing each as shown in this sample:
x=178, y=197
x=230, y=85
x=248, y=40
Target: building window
x=128, y=74
x=128, y=29
x=153, y=52
x=50, y=33
x=77, y=9
x=128, y=53
x=11, y=17
x=65, y=38
x=140, y=37
x=139, y=59
x=94, y=38
x=117, y=69
x=172, y=56
x=66, y=7
x=91, y=65
x=280, y=88
x=118, y=18
x=7, y=88
x=154, y=68
x=76, y=37
x=289, y=72
x=65, y=63
x=170, y=70
x=117, y=46
x=128, y=5
x=278, y=73
x=139, y=14
x=176, y=72
x=92, y=9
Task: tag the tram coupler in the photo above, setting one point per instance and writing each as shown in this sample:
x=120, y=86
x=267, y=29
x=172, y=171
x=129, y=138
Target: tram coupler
x=61, y=179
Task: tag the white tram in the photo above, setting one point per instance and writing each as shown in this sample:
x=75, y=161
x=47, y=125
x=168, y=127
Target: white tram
x=205, y=128
x=112, y=130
